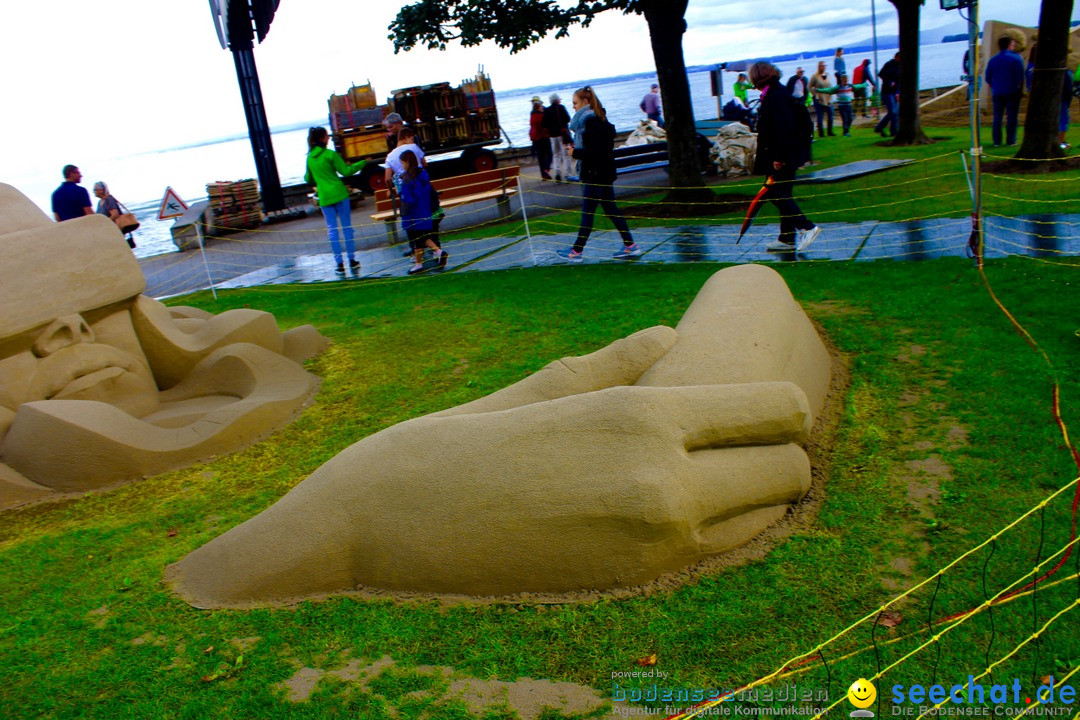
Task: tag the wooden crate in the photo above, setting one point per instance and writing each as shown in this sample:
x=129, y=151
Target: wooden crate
x=361, y=144
x=483, y=126
x=448, y=131
x=357, y=118
x=480, y=100
x=340, y=104
x=363, y=97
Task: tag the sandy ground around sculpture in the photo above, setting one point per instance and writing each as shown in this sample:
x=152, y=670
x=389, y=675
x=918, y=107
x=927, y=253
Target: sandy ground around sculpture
x=526, y=697
x=802, y=516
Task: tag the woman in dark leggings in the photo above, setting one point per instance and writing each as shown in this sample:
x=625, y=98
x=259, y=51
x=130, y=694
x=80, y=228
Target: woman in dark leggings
x=597, y=175
x=781, y=150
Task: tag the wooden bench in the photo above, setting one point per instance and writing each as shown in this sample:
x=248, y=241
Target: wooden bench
x=634, y=158
x=708, y=128
x=498, y=184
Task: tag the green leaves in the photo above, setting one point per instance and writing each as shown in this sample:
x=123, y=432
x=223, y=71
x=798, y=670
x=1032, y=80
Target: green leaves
x=512, y=24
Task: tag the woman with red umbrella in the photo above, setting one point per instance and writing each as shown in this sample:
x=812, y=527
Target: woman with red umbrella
x=782, y=149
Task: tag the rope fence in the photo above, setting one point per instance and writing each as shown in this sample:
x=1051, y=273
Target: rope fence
x=909, y=212
x=996, y=608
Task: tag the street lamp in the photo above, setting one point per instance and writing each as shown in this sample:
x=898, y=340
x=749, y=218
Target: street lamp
x=236, y=22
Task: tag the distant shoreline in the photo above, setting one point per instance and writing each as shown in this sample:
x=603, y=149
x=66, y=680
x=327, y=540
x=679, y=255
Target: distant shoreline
x=543, y=89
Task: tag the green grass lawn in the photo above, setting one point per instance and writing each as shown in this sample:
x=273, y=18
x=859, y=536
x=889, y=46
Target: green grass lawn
x=946, y=436
x=933, y=186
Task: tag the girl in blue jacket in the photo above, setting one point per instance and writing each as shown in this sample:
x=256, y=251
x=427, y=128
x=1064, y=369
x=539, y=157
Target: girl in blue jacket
x=416, y=211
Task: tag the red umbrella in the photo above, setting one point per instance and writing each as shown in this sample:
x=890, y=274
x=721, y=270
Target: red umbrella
x=755, y=205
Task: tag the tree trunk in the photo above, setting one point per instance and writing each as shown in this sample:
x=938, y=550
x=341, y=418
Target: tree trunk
x=666, y=28
x=1044, y=104
x=909, y=130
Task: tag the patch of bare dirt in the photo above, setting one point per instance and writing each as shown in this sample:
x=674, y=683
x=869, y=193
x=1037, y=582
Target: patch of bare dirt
x=835, y=308
x=527, y=697
x=932, y=466
x=149, y=637
x=1031, y=167
x=957, y=436
x=301, y=684
x=912, y=352
x=242, y=645
x=99, y=616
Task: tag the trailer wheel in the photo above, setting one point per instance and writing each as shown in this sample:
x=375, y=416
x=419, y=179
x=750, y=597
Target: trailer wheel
x=480, y=160
x=372, y=178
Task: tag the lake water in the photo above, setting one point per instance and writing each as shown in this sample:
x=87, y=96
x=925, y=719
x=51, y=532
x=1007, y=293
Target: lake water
x=140, y=180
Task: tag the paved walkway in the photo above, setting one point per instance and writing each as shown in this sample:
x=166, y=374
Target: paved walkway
x=296, y=251
x=1046, y=237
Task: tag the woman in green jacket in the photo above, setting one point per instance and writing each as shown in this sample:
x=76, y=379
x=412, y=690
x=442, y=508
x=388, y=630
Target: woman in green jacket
x=323, y=169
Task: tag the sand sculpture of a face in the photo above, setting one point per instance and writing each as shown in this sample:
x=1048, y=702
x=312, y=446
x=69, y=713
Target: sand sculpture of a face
x=597, y=472
x=99, y=383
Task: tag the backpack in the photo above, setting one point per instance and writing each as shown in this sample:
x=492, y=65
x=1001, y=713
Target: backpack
x=857, y=76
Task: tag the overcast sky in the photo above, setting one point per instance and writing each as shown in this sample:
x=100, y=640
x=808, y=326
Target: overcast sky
x=106, y=79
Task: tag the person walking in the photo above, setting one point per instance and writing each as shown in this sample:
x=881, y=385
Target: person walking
x=781, y=151
x=324, y=166
x=557, y=122
x=70, y=200
x=597, y=176
x=1005, y=76
x=650, y=105
x=822, y=101
x=890, y=96
x=110, y=207
x=541, y=141
x=416, y=213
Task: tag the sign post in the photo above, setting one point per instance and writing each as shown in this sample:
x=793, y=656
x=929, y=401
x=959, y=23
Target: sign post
x=173, y=206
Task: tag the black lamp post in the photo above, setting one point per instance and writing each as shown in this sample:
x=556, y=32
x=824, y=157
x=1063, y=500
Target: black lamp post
x=236, y=22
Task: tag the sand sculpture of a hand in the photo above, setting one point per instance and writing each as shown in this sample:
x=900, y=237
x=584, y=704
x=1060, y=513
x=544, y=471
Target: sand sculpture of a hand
x=572, y=479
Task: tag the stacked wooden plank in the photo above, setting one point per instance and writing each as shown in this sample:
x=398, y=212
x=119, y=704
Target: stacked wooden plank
x=235, y=205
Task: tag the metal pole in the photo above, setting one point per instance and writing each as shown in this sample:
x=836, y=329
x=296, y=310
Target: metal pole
x=877, y=68
x=202, y=249
x=976, y=149
x=521, y=199
x=258, y=130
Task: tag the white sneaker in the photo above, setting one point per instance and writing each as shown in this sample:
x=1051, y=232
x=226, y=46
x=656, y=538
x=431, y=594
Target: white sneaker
x=807, y=237
x=777, y=246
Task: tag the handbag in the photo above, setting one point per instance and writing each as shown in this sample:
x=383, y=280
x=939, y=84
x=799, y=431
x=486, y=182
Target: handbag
x=126, y=221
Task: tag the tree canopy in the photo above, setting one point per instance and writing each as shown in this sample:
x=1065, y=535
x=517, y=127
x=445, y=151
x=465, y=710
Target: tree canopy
x=512, y=24
x=517, y=24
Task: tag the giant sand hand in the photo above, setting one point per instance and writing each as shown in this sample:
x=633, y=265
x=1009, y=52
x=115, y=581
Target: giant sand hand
x=568, y=480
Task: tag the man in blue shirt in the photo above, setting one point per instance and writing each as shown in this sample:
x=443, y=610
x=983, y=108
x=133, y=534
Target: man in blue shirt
x=1005, y=76
x=650, y=105
x=71, y=200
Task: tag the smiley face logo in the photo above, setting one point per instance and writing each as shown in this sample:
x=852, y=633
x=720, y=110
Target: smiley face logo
x=862, y=693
